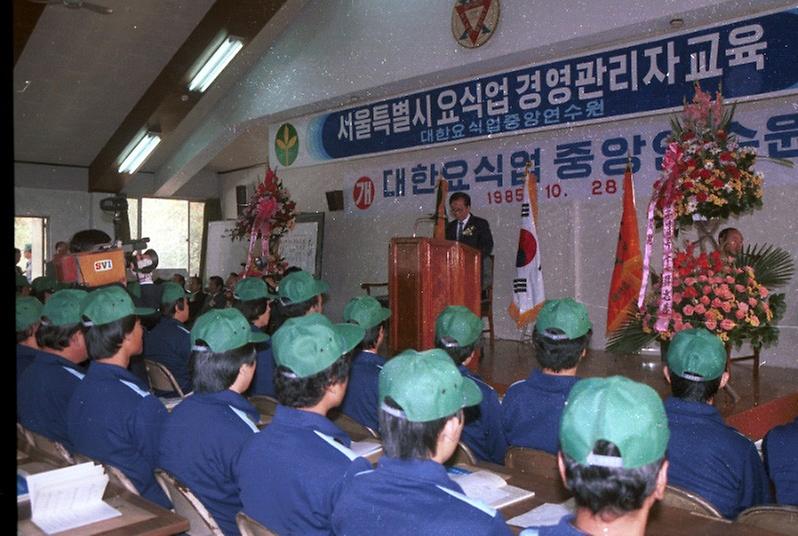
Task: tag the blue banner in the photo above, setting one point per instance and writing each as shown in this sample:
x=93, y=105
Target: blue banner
x=750, y=57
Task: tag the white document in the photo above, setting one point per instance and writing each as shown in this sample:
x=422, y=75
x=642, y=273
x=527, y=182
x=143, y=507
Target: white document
x=490, y=488
x=545, y=514
x=69, y=497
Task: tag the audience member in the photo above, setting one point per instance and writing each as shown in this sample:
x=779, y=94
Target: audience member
x=253, y=299
x=360, y=401
x=457, y=332
x=28, y=313
x=28, y=253
x=112, y=417
x=532, y=408
x=61, y=248
x=43, y=287
x=169, y=342
x=730, y=241
x=48, y=383
x=22, y=285
x=229, y=288
x=215, y=296
x=180, y=280
x=613, y=438
x=202, y=438
x=288, y=473
x=422, y=395
x=706, y=456
x=780, y=448
x=196, y=296
x=17, y=258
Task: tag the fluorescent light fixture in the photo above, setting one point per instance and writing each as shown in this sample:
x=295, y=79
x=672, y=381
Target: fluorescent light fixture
x=215, y=64
x=140, y=153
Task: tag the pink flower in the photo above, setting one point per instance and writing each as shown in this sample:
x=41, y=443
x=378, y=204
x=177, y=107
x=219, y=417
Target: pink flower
x=752, y=302
x=754, y=320
x=687, y=325
x=729, y=279
x=702, y=278
x=690, y=281
x=711, y=325
x=739, y=288
x=677, y=297
x=687, y=310
x=726, y=306
x=726, y=324
x=704, y=300
x=763, y=292
x=740, y=314
x=700, y=309
x=716, y=302
x=742, y=306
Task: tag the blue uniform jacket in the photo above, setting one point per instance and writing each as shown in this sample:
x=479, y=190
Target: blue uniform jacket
x=532, y=409
x=410, y=497
x=25, y=356
x=44, y=393
x=169, y=343
x=780, y=448
x=712, y=459
x=200, y=446
x=263, y=382
x=291, y=472
x=563, y=528
x=112, y=418
x=360, y=402
x=483, y=424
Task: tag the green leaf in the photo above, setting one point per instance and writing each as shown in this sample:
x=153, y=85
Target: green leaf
x=629, y=338
x=773, y=266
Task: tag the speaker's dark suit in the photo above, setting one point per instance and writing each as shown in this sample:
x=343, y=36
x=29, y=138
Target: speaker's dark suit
x=475, y=234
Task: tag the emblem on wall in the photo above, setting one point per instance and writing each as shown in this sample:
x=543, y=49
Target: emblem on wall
x=286, y=144
x=474, y=21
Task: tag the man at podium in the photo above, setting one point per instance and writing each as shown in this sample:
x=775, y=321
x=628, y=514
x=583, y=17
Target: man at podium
x=470, y=230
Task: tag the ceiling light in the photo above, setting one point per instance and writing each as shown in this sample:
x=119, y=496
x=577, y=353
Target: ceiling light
x=137, y=156
x=216, y=63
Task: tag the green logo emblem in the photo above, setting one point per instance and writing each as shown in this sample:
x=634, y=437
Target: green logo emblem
x=286, y=144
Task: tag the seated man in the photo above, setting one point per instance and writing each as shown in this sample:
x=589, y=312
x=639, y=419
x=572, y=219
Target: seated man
x=28, y=315
x=111, y=416
x=780, y=448
x=43, y=287
x=202, y=437
x=214, y=299
x=253, y=299
x=707, y=457
x=299, y=294
x=169, y=342
x=612, y=457
x=360, y=401
x=422, y=395
x=48, y=383
x=531, y=408
x=457, y=332
x=196, y=297
x=289, y=472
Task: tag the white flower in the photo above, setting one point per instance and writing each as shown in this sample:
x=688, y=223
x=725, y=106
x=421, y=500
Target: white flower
x=709, y=164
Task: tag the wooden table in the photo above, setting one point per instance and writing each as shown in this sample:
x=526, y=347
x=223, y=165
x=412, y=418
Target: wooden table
x=140, y=517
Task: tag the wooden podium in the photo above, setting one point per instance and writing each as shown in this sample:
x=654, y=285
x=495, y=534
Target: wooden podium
x=424, y=276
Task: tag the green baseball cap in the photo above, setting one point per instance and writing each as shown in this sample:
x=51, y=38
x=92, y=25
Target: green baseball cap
x=251, y=288
x=108, y=304
x=28, y=247
x=28, y=312
x=308, y=344
x=697, y=355
x=171, y=292
x=63, y=307
x=224, y=329
x=300, y=286
x=43, y=283
x=565, y=314
x=22, y=281
x=459, y=325
x=365, y=311
x=426, y=385
x=134, y=289
x=619, y=410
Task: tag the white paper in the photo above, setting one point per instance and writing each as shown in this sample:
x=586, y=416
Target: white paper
x=490, y=488
x=545, y=514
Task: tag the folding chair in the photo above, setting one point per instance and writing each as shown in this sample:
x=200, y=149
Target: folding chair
x=24, y=438
x=354, y=429
x=266, y=406
x=781, y=519
x=118, y=477
x=533, y=461
x=687, y=500
x=53, y=448
x=250, y=527
x=161, y=379
x=188, y=505
x=463, y=454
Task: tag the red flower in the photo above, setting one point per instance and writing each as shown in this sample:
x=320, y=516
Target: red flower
x=705, y=173
x=720, y=134
x=701, y=197
x=733, y=171
x=717, y=183
x=689, y=135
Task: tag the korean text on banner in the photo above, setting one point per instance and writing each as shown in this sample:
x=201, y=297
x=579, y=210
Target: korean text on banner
x=528, y=294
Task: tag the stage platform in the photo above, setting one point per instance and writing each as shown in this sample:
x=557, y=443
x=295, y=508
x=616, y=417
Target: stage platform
x=764, y=402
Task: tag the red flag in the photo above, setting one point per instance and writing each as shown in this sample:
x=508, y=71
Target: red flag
x=440, y=209
x=628, y=272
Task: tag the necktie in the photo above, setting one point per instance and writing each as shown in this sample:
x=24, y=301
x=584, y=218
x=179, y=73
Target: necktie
x=459, y=230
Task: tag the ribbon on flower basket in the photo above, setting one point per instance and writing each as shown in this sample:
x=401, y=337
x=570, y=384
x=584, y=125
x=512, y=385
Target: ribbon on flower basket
x=267, y=207
x=664, y=191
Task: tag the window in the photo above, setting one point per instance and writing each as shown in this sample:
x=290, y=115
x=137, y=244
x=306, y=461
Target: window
x=31, y=231
x=174, y=227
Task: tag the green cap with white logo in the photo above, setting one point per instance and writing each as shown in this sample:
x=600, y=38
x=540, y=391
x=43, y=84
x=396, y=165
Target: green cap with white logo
x=300, y=286
x=308, y=344
x=28, y=312
x=565, y=314
x=224, y=329
x=697, y=355
x=365, y=311
x=252, y=288
x=63, y=307
x=44, y=284
x=459, y=325
x=171, y=292
x=109, y=304
x=616, y=409
x=426, y=385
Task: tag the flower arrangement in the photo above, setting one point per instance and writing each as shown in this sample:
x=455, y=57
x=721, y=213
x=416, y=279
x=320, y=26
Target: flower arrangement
x=726, y=299
x=269, y=214
x=713, y=174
